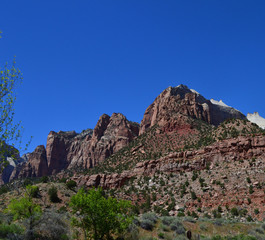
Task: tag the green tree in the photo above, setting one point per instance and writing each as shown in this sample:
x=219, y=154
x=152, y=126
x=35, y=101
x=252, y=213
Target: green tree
x=100, y=216
x=25, y=208
x=10, y=132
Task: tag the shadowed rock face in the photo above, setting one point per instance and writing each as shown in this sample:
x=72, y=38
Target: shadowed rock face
x=182, y=100
x=35, y=166
x=69, y=150
x=12, y=157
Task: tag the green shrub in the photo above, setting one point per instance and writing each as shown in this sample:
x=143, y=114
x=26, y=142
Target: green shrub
x=62, y=180
x=181, y=214
x=33, y=191
x=234, y=211
x=4, y=189
x=249, y=218
x=251, y=189
x=9, y=229
x=53, y=196
x=161, y=235
x=44, y=179
x=71, y=184
x=164, y=212
x=193, y=195
x=194, y=214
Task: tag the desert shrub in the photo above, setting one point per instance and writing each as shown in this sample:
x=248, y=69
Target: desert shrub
x=51, y=226
x=193, y=195
x=177, y=226
x=189, y=219
x=164, y=212
x=27, y=182
x=259, y=230
x=234, y=211
x=53, y=196
x=62, y=180
x=6, y=230
x=148, y=220
x=194, y=214
x=71, y=184
x=150, y=216
x=218, y=222
x=181, y=214
x=33, y=191
x=251, y=190
x=164, y=228
x=147, y=224
x=44, y=179
x=133, y=232
x=249, y=218
x=167, y=220
x=62, y=209
x=4, y=189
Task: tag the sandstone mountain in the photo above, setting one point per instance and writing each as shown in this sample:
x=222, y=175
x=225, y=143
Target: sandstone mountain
x=188, y=102
x=69, y=150
x=178, y=118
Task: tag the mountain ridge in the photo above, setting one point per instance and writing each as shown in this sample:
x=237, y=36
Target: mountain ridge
x=173, y=111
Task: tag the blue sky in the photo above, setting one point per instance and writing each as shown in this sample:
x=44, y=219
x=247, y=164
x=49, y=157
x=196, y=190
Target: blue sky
x=83, y=58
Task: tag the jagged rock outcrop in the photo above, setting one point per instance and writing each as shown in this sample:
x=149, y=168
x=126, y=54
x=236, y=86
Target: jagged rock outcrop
x=35, y=166
x=69, y=150
x=182, y=100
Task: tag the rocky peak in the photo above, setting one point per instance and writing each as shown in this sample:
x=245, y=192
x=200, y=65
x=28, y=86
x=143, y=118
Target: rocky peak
x=256, y=118
x=101, y=126
x=185, y=101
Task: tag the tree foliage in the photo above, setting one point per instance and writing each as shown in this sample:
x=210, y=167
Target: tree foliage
x=25, y=208
x=100, y=217
x=10, y=132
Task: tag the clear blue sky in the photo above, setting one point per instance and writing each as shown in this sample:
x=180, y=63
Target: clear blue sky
x=83, y=58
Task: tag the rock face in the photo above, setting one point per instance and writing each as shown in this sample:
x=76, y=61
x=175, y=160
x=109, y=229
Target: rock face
x=226, y=150
x=256, y=118
x=35, y=166
x=182, y=100
x=69, y=150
